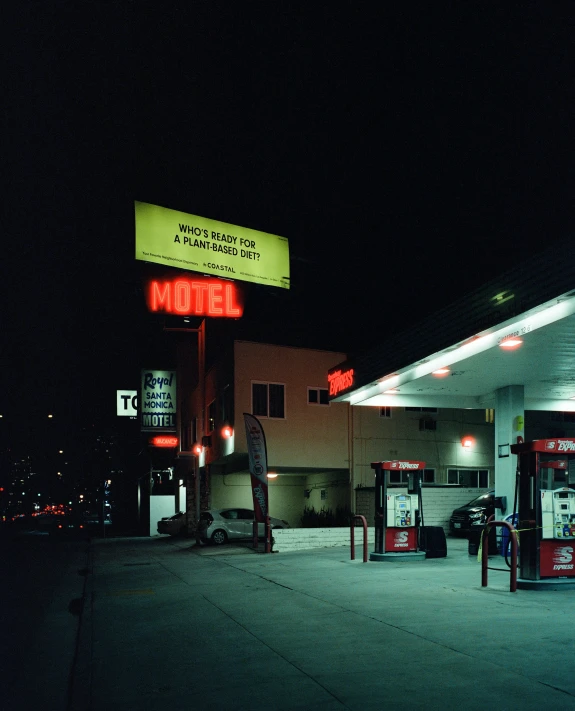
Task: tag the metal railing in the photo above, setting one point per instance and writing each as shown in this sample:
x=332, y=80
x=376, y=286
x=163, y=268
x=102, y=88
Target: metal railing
x=352, y=536
x=485, y=554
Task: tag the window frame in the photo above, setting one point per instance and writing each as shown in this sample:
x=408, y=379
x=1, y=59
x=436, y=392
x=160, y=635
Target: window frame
x=211, y=421
x=386, y=416
x=318, y=390
x=404, y=476
x=267, y=383
x=478, y=471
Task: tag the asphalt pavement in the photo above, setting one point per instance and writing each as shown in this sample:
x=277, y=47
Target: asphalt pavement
x=168, y=626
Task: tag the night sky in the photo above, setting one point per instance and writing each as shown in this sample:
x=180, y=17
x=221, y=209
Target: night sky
x=407, y=153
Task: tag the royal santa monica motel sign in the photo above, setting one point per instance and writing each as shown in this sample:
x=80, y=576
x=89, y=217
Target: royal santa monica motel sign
x=158, y=401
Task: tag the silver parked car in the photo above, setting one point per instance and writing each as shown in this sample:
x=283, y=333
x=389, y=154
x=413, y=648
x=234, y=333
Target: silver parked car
x=221, y=525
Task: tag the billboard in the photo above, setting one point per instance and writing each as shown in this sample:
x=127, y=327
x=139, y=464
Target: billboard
x=199, y=244
x=158, y=401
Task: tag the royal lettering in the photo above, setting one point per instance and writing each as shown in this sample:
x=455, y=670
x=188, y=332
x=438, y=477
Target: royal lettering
x=339, y=381
x=150, y=382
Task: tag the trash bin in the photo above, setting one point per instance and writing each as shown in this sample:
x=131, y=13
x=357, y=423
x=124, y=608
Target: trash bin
x=505, y=546
x=432, y=541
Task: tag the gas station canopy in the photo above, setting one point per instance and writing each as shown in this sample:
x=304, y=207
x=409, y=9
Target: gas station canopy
x=517, y=329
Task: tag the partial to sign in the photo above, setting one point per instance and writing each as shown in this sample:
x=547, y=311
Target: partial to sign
x=199, y=244
x=127, y=403
x=158, y=401
x=194, y=297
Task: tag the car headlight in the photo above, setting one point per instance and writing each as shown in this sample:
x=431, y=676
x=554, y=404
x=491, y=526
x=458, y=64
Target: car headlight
x=475, y=516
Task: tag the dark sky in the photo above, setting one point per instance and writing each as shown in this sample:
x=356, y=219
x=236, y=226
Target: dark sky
x=406, y=152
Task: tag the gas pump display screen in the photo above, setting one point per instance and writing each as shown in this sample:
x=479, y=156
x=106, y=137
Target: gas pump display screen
x=401, y=498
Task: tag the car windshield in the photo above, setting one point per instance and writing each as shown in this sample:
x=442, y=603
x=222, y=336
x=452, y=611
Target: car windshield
x=483, y=500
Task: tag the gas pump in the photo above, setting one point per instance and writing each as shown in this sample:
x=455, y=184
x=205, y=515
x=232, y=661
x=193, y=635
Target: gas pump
x=397, y=516
x=546, y=509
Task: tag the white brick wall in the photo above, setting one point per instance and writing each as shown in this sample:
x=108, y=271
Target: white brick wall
x=295, y=539
x=438, y=503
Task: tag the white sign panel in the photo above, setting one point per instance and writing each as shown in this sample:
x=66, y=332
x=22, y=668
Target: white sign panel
x=127, y=403
x=158, y=401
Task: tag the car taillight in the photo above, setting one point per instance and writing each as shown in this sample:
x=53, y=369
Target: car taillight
x=59, y=525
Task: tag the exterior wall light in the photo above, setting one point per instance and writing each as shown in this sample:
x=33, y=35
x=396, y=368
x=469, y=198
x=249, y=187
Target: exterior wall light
x=272, y=475
x=441, y=372
x=227, y=431
x=197, y=449
x=467, y=442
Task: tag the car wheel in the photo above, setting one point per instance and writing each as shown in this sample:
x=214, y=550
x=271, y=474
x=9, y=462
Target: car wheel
x=219, y=537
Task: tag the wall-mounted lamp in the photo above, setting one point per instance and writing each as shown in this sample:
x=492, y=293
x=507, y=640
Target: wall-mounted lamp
x=227, y=432
x=197, y=449
x=467, y=442
x=272, y=475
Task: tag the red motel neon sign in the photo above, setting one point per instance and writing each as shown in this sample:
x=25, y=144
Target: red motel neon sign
x=194, y=297
x=339, y=381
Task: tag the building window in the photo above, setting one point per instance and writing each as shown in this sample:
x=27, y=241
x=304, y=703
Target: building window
x=385, y=411
x=317, y=396
x=472, y=478
x=421, y=409
x=401, y=476
x=268, y=400
x=226, y=406
x=427, y=424
x=211, y=416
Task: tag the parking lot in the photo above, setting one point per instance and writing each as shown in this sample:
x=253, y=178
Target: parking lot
x=170, y=625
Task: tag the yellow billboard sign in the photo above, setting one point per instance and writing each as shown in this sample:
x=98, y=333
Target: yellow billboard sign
x=198, y=244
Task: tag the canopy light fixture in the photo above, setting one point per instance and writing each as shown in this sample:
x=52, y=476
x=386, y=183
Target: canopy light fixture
x=511, y=343
x=391, y=391
x=440, y=372
x=272, y=475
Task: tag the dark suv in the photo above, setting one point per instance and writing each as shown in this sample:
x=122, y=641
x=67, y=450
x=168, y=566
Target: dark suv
x=475, y=512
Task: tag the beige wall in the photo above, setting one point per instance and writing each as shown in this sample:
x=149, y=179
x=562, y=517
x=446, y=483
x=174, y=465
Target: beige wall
x=377, y=438
x=310, y=435
x=285, y=495
x=336, y=489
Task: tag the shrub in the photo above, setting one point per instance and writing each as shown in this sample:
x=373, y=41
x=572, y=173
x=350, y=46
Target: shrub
x=325, y=518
